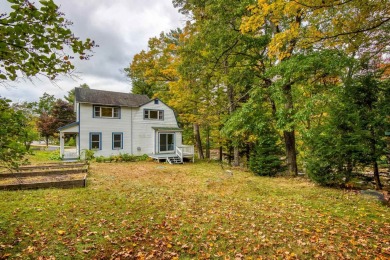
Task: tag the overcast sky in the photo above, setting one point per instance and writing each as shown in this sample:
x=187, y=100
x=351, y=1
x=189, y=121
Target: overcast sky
x=121, y=28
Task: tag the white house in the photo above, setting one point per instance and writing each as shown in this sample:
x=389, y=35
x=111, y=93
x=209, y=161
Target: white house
x=110, y=123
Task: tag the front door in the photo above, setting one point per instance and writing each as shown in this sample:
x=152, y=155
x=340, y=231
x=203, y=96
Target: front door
x=166, y=142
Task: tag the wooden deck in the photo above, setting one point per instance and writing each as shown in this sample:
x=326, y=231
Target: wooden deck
x=164, y=156
x=161, y=156
x=181, y=152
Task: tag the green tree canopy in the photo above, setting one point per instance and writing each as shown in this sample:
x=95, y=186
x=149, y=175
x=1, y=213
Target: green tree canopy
x=13, y=130
x=36, y=40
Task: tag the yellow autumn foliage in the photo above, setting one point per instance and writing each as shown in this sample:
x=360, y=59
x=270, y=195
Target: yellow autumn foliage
x=301, y=24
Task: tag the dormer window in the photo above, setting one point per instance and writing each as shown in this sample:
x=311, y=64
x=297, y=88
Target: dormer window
x=154, y=114
x=106, y=112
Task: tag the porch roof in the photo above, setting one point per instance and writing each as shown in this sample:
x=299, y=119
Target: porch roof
x=68, y=126
x=175, y=129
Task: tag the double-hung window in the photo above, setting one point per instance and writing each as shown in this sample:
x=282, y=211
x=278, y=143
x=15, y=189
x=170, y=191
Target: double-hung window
x=95, y=141
x=117, y=141
x=154, y=114
x=106, y=112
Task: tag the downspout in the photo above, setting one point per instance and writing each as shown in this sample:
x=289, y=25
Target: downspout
x=131, y=131
x=78, y=136
x=154, y=142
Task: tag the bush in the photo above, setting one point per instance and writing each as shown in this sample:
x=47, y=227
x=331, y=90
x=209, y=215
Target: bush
x=320, y=170
x=125, y=157
x=89, y=154
x=265, y=159
x=128, y=157
x=55, y=156
x=100, y=159
x=144, y=157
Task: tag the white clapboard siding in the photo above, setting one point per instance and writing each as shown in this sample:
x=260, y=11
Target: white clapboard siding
x=144, y=136
x=105, y=126
x=139, y=137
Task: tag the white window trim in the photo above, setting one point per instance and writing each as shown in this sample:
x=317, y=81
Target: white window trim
x=113, y=141
x=100, y=140
x=160, y=114
x=112, y=112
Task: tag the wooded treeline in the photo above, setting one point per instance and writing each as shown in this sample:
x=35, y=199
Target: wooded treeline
x=278, y=86
x=25, y=122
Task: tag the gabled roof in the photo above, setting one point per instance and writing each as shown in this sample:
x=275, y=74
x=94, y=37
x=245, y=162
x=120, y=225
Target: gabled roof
x=109, y=98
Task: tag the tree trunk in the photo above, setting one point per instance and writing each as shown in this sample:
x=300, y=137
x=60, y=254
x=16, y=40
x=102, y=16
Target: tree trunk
x=388, y=160
x=349, y=169
x=248, y=152
x=208, y=143
x=289, y=136
x=47, y=141
x=236, y=161
x=198, y=141
x=378, y=184
x=220, y=154
x=230, y=150
x=291, y=154
x=232, y=108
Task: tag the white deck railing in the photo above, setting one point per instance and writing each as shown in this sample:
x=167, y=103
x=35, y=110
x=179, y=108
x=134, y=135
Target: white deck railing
x=185, y=151
x=179, y=153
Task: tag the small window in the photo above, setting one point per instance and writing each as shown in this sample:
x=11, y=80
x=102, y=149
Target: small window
x=106, y=112
x=156, y=101
x=95, y=141
x=153, y=114
x=117, y=141
x=96, y=111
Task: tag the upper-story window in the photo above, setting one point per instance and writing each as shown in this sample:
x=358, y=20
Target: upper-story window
x=106, y=112
x=154, y=114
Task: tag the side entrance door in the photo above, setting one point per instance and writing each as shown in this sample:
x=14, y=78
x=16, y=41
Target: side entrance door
x=166, y=142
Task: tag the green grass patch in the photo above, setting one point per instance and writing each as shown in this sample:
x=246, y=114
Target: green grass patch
x=146, y=209
x=43, y=156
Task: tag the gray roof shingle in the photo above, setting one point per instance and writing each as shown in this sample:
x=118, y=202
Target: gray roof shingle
x=110, y=98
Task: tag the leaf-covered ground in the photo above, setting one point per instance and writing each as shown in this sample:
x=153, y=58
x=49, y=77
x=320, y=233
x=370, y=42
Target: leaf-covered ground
x=149, y=210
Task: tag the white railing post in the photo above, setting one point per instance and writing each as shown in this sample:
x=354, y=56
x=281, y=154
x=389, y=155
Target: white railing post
x=179, y=153
x=186, y=151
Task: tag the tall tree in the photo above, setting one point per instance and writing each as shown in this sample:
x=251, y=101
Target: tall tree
x=45, y=104
x=352, y=134
x=52, y=115
x=296, y=27
x=217, y=54
x=34, y=39
x=252, y=125
x=30, y=131
x=14, y=126
x=152, y=71
x=63, y=113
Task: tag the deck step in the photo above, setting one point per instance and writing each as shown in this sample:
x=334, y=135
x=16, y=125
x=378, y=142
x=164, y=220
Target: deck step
x=174, y=160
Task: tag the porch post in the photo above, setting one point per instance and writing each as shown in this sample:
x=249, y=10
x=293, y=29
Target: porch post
x=78, y=145
x=62, y=144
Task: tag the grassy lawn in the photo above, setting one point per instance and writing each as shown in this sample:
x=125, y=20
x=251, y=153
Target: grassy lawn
x=146, y=209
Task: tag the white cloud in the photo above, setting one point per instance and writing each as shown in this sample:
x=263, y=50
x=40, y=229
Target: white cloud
x=120, y=27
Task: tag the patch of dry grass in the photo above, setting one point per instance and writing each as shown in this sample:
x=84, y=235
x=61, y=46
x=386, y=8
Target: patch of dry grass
x=145, y=209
